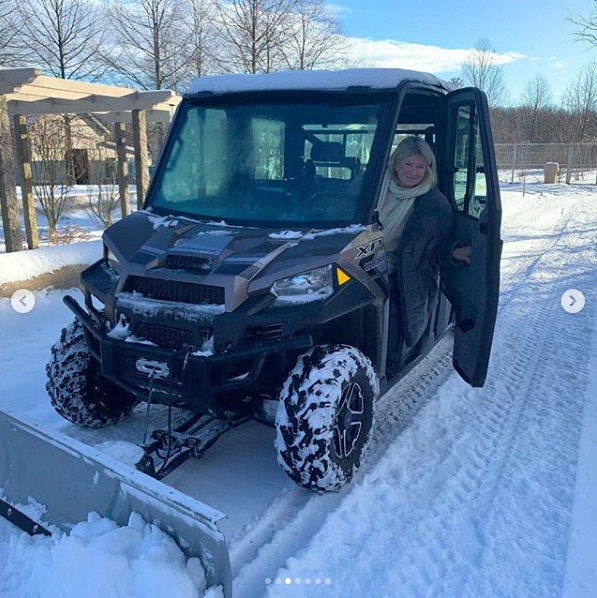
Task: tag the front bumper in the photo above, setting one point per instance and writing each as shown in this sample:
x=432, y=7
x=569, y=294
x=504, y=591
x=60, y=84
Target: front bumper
x=179, y=378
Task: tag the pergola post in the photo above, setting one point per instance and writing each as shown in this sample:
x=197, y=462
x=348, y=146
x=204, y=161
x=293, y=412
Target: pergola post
x=8, y=186
x=24, y=165
x=122, y=169
x=141, y=157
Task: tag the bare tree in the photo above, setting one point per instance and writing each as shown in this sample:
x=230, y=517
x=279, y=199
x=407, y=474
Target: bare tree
x=585, y=26
x=48, y=145
x=102, y=198
x=9, y=29
x=62, y=36
x=482, y=69
x=202, y=39
x=580, y=102
x=537, y=96
x=313, y=38
x=147, y=43
x=252, y=33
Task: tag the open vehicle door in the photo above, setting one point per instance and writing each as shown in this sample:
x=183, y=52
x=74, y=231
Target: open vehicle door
x=471, y=181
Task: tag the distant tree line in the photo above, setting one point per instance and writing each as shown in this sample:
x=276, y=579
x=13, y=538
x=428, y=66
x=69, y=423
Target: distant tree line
x=535, y=117
x=538, y=119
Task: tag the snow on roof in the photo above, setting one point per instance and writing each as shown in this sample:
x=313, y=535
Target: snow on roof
x=376, y=78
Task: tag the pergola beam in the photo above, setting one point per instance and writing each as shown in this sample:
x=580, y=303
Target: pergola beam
x=23, y=104
x=120, y=116
x=13, y=79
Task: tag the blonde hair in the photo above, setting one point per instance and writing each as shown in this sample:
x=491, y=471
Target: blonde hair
x=414, y=146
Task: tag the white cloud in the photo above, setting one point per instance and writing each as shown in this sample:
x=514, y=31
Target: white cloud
x=338, y=10
x=557, y=63
x=393, y=54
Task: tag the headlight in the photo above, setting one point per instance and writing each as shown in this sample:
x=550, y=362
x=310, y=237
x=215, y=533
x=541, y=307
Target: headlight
x=308, y=286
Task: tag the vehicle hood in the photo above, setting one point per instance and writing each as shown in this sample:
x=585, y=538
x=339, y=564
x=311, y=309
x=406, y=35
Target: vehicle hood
x=145, y=240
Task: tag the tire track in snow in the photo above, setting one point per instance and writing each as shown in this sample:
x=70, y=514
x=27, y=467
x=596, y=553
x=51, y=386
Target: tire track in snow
x=474, y=479
x=526, y=264
x=549, y=425
x=506, y=413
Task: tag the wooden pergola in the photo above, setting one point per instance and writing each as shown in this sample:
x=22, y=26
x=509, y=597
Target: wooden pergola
x=27, y=91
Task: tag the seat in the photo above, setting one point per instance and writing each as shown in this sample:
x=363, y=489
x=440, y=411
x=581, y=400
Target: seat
x=331, y=153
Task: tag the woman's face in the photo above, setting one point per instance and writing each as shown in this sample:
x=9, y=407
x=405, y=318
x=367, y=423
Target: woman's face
x=411, y=170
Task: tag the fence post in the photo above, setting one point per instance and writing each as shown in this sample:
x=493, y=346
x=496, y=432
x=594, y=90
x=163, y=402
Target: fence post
x=570, y=163
x=513, y=164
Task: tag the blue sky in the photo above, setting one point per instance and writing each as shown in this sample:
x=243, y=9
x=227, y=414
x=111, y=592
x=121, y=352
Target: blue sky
x=531, y=36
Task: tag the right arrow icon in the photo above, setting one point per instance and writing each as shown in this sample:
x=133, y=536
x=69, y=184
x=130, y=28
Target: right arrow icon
x=572, y=301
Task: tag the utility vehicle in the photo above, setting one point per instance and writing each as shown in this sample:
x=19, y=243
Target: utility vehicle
x=253, y=282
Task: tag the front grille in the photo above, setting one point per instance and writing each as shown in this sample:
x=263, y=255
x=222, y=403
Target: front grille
x=189, y=262
x=262, y=334
x=175, y=290
x=164, y=336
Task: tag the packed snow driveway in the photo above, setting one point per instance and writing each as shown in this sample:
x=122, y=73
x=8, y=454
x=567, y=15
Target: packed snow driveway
x=464, y=492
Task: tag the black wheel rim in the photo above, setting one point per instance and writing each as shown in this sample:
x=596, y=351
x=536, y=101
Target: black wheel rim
x=349, y=420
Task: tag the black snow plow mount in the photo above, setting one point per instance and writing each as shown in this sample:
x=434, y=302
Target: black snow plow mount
x=170, y=448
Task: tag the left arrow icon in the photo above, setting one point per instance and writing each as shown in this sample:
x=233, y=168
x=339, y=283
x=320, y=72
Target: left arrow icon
x=22, y=301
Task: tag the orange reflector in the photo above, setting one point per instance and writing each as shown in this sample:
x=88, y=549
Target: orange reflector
x=341, y=277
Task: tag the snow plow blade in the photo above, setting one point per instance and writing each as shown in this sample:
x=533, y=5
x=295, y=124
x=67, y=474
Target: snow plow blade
x=72, y=479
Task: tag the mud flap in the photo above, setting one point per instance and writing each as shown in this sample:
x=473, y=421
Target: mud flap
x=72, y=479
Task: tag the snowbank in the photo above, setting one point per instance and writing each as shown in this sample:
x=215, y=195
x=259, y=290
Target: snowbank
x=99, y=559
x=23, y=265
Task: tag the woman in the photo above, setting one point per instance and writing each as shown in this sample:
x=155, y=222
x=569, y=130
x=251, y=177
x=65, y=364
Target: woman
x=417, y=221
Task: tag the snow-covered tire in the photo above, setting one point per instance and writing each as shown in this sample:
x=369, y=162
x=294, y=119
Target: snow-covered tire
x=77, y=390
x=325, y=416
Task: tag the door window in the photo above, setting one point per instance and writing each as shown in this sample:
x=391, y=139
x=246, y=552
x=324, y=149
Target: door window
x=469, y=185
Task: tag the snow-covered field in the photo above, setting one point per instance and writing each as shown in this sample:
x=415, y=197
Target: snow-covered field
x=465, y=492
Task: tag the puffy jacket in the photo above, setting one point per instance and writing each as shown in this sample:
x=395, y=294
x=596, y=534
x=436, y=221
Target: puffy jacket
x=426, y=245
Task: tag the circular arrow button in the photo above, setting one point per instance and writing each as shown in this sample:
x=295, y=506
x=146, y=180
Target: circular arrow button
x=22, y=301
x=572, y=301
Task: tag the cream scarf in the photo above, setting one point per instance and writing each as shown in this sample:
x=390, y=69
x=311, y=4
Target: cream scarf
x=397, y=205
x=394, y=211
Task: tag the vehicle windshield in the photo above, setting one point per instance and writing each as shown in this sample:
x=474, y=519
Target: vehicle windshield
x=284, y=163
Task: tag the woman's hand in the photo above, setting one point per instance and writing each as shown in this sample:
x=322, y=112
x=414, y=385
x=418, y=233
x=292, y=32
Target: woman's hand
x=462, y=254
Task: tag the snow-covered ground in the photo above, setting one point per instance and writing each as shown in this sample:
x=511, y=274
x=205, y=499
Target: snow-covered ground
x=465, y=492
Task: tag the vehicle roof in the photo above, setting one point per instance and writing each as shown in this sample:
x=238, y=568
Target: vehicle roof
x=374, y=78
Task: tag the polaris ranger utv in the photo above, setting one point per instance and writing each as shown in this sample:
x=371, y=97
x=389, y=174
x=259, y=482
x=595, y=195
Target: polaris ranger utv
x=253, y=283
